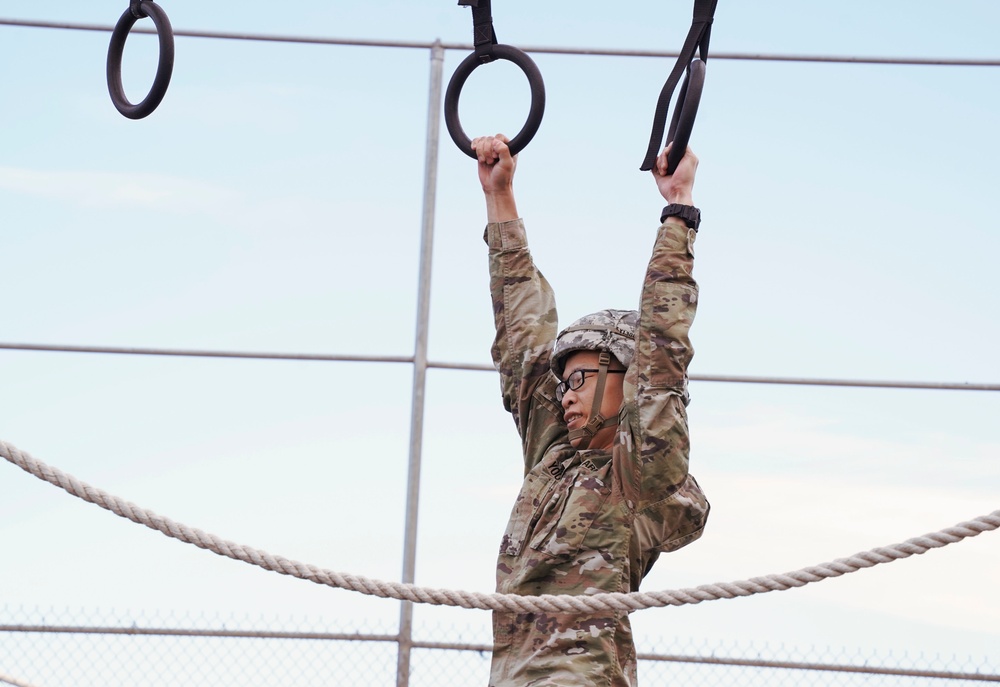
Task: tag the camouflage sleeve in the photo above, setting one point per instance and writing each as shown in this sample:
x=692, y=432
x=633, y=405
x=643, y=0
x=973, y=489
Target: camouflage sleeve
x=670, y=507
x=524, y=311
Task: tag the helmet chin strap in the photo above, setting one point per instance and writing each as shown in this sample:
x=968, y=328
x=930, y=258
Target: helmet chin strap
x=596, y=422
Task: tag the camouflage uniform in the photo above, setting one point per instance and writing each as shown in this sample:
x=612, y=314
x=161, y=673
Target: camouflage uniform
x=590, y=521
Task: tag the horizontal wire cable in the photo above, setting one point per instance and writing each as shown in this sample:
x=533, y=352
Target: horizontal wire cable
x=863, y=383
x=865, y=669
x=134, y=630
x=597, y=52
x=201, y=353
x=326, y=357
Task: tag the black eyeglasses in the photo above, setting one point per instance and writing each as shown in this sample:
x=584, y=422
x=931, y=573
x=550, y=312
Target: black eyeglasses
x=576, y=380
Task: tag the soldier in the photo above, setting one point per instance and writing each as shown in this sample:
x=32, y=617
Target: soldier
x=600, y=408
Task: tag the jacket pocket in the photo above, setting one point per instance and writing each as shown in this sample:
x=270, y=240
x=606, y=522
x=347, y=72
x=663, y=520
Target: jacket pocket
x=563, y=524
x=535, y=493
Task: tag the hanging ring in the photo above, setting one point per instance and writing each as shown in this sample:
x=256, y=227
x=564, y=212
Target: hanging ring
x=468, y=65
x=685, y=111
x=164, y=33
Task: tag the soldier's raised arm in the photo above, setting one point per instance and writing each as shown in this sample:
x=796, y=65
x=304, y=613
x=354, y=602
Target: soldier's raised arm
x=670, y=507
x=524, y=309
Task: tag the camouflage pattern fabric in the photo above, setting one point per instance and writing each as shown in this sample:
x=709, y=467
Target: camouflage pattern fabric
x=607, y=330
x=590, y=521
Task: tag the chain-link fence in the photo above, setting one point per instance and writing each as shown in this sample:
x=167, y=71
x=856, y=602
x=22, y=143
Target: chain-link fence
x=61, y=648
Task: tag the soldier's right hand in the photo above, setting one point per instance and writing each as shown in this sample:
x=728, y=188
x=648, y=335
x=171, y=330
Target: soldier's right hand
x=496, y=164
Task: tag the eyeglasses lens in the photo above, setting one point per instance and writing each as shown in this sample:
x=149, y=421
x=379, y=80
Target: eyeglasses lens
x=574, y=382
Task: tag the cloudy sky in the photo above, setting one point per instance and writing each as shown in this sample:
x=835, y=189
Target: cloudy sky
x=273, y=203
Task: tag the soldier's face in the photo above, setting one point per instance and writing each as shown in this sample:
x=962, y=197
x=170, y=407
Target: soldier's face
x=577, y=403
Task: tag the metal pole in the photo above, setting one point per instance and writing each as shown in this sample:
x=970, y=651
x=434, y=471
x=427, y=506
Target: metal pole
x=420, y=361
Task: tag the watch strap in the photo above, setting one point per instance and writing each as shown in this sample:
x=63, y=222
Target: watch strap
x=689, y=213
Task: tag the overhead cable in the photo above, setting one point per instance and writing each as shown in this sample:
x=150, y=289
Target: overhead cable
x=597, y=52
x=328, y=357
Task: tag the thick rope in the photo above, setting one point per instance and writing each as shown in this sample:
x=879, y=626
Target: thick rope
x=7, y=680
x=547, y=603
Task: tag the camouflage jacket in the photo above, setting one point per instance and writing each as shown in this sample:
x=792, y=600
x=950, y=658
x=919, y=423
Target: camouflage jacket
x=590, y=521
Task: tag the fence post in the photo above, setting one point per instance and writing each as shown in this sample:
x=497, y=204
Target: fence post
x=420, y=360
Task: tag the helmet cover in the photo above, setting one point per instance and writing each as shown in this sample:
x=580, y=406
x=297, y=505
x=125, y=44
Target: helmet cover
x=606, y=330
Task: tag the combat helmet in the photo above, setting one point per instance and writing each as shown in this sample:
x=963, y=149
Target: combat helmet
x=609, y=332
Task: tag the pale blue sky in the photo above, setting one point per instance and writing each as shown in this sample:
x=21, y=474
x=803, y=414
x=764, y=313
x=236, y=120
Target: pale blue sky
x=272, y=203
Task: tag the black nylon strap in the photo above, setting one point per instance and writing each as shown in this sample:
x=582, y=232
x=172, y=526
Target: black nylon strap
x=484, y=36
x=697, y=39
x=488, y=50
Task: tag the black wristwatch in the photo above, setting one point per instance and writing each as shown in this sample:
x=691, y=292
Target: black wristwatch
x=689, y=213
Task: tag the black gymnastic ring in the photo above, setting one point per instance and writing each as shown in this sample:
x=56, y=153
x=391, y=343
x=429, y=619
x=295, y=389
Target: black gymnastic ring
x=468, y=65
x=164, y=68
x=685, y=111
